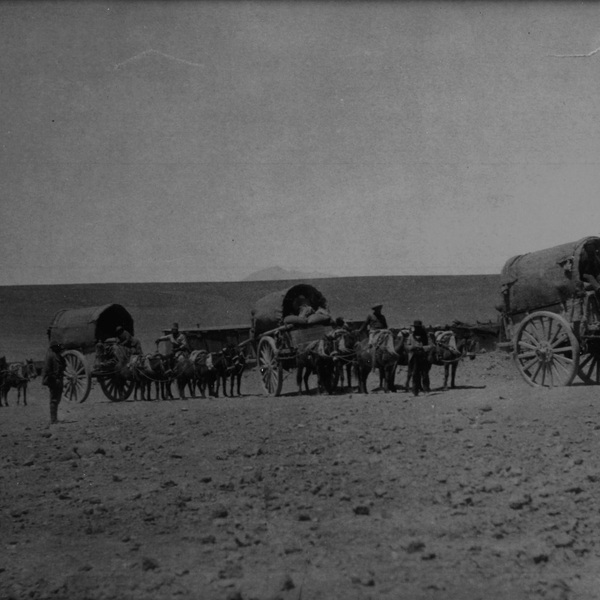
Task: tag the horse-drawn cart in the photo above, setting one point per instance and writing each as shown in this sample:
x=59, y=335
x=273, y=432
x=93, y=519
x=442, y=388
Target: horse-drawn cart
x=78, y=330
x=280, y=334
x=550, y=313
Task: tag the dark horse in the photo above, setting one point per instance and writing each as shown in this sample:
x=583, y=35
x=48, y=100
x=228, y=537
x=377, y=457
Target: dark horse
x=388, y=350
x=316, y=358
x=218, y=372
x=236, y=362
x=147, y=370
x=447, y=352
x=16, y=375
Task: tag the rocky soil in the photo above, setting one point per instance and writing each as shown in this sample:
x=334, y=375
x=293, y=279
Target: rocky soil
x=487, y=491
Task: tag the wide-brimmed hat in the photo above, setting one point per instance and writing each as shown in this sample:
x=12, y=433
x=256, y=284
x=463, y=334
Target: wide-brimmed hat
x=377, y=306
x=175, y=326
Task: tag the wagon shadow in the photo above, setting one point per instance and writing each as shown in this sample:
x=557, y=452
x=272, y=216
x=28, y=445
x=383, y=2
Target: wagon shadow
x=463, y=387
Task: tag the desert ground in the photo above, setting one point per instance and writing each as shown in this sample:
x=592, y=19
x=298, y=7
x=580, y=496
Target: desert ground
x=490, y=490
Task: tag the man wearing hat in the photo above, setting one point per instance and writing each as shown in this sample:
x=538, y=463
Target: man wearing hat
x=52, y=376
x=128, y=341
x=375, y=323
x=418, y=363
x=177, y=340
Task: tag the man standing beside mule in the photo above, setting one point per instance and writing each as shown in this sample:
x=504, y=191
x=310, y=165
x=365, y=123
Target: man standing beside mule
x=52, y=377
x=418, y=364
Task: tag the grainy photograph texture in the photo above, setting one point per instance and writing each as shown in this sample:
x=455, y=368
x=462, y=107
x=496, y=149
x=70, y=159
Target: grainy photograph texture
x=299, y=300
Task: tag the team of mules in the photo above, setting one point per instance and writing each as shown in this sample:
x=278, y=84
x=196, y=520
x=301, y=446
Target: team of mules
x=351, y=353
x=154, y=374
x=15, y=375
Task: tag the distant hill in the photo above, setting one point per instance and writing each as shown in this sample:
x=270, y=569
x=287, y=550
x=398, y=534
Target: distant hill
x=26, y=311
x=281, y=274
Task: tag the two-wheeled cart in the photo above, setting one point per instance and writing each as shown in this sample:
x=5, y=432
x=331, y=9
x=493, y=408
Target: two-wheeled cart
x=279, y=334
x=78, y=330
x=550, y=313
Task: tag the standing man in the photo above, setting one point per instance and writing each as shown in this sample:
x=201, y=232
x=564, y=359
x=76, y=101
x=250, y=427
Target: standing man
x=52, y=377
x=374, y=324
x=418, y=364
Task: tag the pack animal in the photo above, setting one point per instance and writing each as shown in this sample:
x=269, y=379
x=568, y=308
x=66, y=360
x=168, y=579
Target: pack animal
x=16, y=375
x=218, y=372
x=344, y=357
x=184, y=373
x=388, y=351
x=447, y=349
x=201, y=361
x=150, y=371
x=236, y=362
x=316, y=358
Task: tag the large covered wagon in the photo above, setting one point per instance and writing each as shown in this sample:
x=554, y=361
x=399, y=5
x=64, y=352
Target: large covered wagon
x=550, y=313
x=78, y=330
x=280, y=331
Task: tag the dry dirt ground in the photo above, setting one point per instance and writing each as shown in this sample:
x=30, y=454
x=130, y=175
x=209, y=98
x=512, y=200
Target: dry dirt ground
x=487, y=491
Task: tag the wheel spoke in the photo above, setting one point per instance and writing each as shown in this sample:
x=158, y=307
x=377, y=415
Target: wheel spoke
x=528, y=365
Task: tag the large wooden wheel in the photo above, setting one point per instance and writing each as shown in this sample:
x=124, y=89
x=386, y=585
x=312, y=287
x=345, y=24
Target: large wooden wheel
x=589, y=362
x=77, y=379
x=546, y=350
x=269, y=367
x=589, y=368
x=116, y=388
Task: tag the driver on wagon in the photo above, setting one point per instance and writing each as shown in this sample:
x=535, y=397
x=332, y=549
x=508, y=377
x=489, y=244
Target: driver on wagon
x=178, y=340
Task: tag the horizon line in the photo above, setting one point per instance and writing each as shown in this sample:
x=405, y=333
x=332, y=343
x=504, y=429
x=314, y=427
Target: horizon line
x=299, y=279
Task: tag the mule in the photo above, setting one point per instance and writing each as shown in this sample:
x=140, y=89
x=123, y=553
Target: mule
x=200, y=359
x=236, y=362
x=184, y=374
x=150, y=371
x=344, y=357
x=218, y=371
x=447, y=352
x=316, y=358
x=17, y=375
x=388, y=350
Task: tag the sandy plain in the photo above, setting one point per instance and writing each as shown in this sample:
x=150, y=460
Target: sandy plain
x=490, y=490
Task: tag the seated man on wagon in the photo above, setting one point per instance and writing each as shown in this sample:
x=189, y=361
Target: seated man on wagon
x=179, y=342
x=125, y=339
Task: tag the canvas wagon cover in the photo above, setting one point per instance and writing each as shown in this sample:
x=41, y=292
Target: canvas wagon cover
x=270, y=310
x=79, y=328
x=542, y=279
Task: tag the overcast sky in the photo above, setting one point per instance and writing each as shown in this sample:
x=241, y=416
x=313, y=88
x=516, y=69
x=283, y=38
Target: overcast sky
x=203, y=141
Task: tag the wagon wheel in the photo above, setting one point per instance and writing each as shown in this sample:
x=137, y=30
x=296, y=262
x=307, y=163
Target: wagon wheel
x=116, y=388
x=589, y=363
x=589, y=368
x=546, y=350
x=269, y=367
x=77, y=379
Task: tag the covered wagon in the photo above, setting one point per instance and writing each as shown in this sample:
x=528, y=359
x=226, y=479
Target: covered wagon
x=283, y=324
x=78, y=330
x=550, y=313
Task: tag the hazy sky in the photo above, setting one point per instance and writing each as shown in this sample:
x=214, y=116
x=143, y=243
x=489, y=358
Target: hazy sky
x=191, y=141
